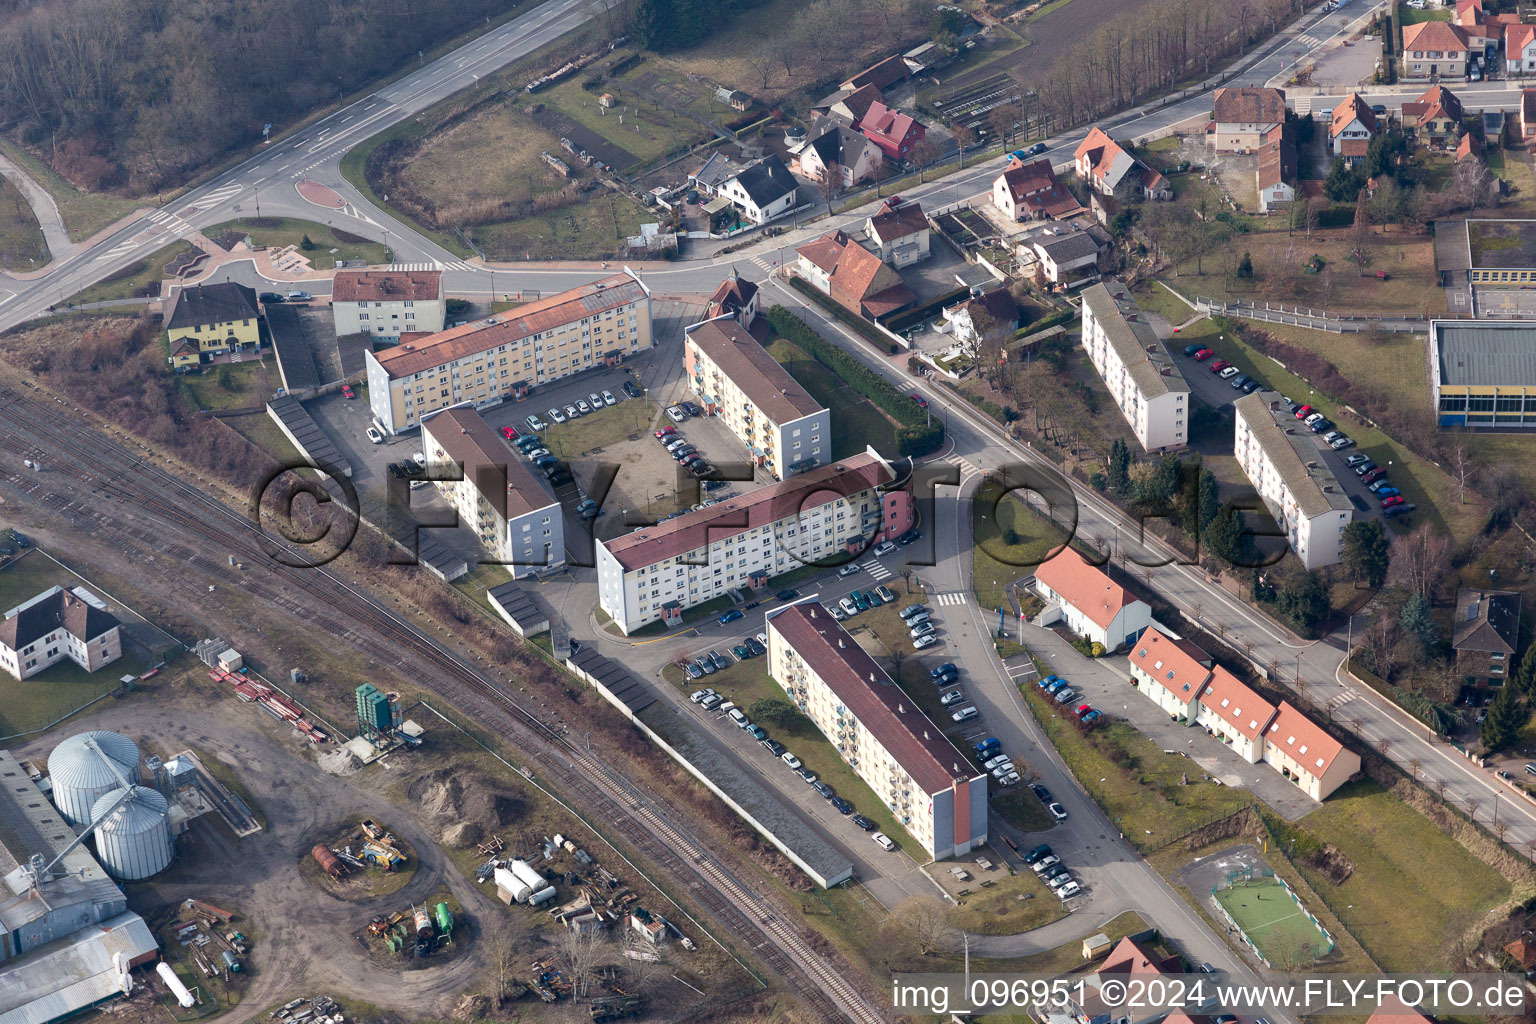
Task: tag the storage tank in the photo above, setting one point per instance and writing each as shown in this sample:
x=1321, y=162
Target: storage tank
x=443, y=918
x=522, y=870
x=422, y=922
x=328, y=861
x=173, y=983
x=515, y=888
x=79, y=776
x=133, y=841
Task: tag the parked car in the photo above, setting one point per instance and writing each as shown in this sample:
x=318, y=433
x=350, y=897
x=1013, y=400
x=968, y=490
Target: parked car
x=1396, y=499
x=1037, y=853
x=397, y=471
x=1057, y=811
x=913, y=609
x=1252, y=386
x=1362, y=468
x=1071, y=889
x=664, y=433
x=922, y=643
x=791, y=760
x=534, y=423
x=1341, y=442
x=711, y=702
x=742, y=652
x=986, y=748
x=947, y=679
x=1082, y=709
x=1356, y=459
x=1397, y=510
x=787, y=595
x=1229, y=372
x=952, y=697
x=1204, y=354
x=965, y=714
x=756, y=732
x=884, y=548
x=908, y=537
x=1318, y=426
x=849, y=570
x=1065, y=695
x=943, y=669
x=1038, y=148
x=557, y=416
x=374, y=435
x=1382, y=487
x=884, y=593
x=269, y=298
x=883, y=841
x=609, y=399
x=632, y=389
x=1218, y=366
x=1375, y=474
x=698, y=695
x=1302, y=412
x=706, y=666
x=1093, y=718
x=1040, y=791
x=730, y=616
x=773, y=747
x=919, y=631
x=863, y=822
x=587, y=509
x=841, y=806
x=1190, y=350
x=572, y=412
x=1240, y=380
x=922, y=403
x=347, y=392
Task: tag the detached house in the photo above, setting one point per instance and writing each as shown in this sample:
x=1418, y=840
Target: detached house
x=736, y=297
x=1434, y=117
x=1435, y=50
x=852, y=275
x=896, y=134
x=1277, y=168
x=1068, y=259
x=1090, y=604
x=1527, y=116
x=1352, y=125
x=1520, y=49
x=994, y=310
x=899, y=230
x=762, y=190
x=849, y=105
x=1485, y=634
x=1030, y=191
x=1110, y=170
x=1242, y=118
x=210, y=320
x=851, y=156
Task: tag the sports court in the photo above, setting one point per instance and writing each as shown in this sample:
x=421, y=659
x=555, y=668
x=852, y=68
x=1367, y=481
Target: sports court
x=1263, y=909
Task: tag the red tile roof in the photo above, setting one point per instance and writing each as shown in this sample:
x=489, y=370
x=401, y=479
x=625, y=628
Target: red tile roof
x=1438, y=102
x=1517, y=38
x=1035, y=185
x=1248, y=104
x=824, y=251
x=734, y=294
x=1084, y=587
x=749, y=511
x=1175, y=664
x=1235, y=704
x=884, y=124
x=1354, y=108
x=1303, y=740
x=1354, y=147
x=1470, y=146
x=858, y=101
x=1131, y=957
x=513, y=325
x=865, y=689
x=1393, y=1010
x=1435, y=35
x=386, y=285
x=897, y=219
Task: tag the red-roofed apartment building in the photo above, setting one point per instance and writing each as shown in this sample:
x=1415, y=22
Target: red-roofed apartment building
x=896, y=133
x=387, y=303
x=652, y=575
x=1301, y=751
x=1170, y=671
x=939, y=797
x=1089, y=602
x=1234, y=714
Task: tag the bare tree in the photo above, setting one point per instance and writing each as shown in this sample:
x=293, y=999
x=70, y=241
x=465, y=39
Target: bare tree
x=1384, y=745
x=1360, y=237
x=926, y=919
x=505, y=941
x=964, y=136
x=1315, y=207
x=1473, y=803
x=581, y=951
x=1463, y=466
x=1415, y=763
x=1440, y=785
x=1420, y=560
x=1470, y=184
x=925, y=153
x=1006, y=119
x=831, y=184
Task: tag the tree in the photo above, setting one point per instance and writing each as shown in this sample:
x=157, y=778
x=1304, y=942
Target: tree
x=1360, y=237
x=964, y=136
x=1365, y=551
x=925, y=153
x=1343, y=182
x=775, y=711
x=830, y=186
x=306, y=244
x=507, y=936
x=1119, y=466
x=1470, y=184
x=1304, y=600
x=1210, y=498
x=1420, y=560
x=1245, y=267
x=1463, y=467
x=926, y=920
x=1315, y=207
x=1223, y=535
x=1418, y=622
x=581, y=951
x=1006, y=118
x=1506, y=717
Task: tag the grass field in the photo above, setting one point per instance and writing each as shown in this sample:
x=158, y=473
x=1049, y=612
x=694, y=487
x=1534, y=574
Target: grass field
x=1007, y=906
x=258, y=428
x=84, y=213
x=282, y=231
x=493, y=156
x=997, y=563
x=857, y=422
x=22, y=247
x=1272, y=921
x=608, y=425
x=133, y=277
x=252, y=383
x=1411, y=16
x=592, y=230
x=1515, y=168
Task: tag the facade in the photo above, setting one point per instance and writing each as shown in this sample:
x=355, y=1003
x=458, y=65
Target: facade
x=517, y=520
x=1242, y=117
x=1520, y=49
x=852, y=275
x=1277, y=169
x=210, y=320
x=489, y=361
x=784, y=428
x=899, y=230
x=897, y=134
x=1434, y=51
x=1231, y=712
x=1090, y=603
x=1435, y=117
x=1485, y=634
x=54, y=626
x=1030, y=191
x=1066, y=259
x=1296, y=747
x=1110, y=170
x=763, y=190
x=385, y=304
x=736, y=297
x=1170, y=672
x=937, y=794
x=1482, y=373
x=1145, y=383
x=1282, y=460
x=853, y=157
x=654, y=574
x=1352, y=124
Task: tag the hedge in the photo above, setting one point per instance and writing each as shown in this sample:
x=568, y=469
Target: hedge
x=899, y=322
x=918, y=434
x=865, y=329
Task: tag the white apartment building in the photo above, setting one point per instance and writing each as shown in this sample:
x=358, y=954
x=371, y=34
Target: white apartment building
x=54, y=626
x=1090, y=603
x=1282, y=460
x=504, y=356
x=1170, y=672
x=654, y=574
x=937, y=795
x=784, y=428
x=1152, y=394
x=518, y=521
x=1234, y=714
x=385, y=304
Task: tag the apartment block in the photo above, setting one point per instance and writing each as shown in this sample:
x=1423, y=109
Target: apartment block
x=518, y=521
x=1152, y=394
x=784, y=428
x=385, y=304
x=654, y=574
x=506, y=355
x=938, y=796
x=1282, y=460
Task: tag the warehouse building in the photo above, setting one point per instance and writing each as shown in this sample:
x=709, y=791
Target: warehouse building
x=516, y=519
x=1152, y=394
x=1482, y=373
x=1281, y=458
x=654, y=574
x=939, y=798
x=506, y=355
x=784, y=428
x=388, y=303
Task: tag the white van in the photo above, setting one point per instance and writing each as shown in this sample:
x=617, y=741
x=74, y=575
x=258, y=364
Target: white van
x=739, y=718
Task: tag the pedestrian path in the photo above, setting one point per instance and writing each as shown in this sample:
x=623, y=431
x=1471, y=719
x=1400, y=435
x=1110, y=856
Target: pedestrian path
x=951, y=599
x=168, y=220
x=435, y=265
x=877, y=570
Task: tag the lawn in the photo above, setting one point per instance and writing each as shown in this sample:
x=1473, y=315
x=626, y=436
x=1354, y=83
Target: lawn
x=258, y=428
x=1008, y=906
x=857, y=423
x=284, y=231
x=885, y=625
x=745, y=683
x=595, y=229
x=1412, y=889
x=633, y=123
x=1019, y=808
x=1154, y=298
x=1010, y=540
x=1515, y=168
x=1410, y=16
x=84, y=213
x=590, y=434
x=22, y=247
x=230, y=386
x=133, y=278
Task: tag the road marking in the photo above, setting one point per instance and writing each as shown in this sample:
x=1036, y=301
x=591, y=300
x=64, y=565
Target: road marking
x=950, y=599
x=8, y=298
x=125, y=247
x=878, y=571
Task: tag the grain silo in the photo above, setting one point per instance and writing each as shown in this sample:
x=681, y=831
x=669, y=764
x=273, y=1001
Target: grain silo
x=133, y=838
x=80, y=776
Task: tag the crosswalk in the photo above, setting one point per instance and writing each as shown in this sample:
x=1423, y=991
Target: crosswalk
x=435, y=265
x=215, y=197
x=905, y=385
x=966, y=466
x=950, y=599
x=877, y=570
x=170, y=221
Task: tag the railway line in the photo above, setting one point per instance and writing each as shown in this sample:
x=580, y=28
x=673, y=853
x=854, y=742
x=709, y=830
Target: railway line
x=45, y=431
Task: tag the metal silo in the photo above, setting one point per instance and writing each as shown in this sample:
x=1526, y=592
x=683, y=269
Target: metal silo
x=80, y=777
x=134, y=840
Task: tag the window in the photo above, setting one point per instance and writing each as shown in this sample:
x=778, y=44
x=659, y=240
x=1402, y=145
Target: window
x=362, y=316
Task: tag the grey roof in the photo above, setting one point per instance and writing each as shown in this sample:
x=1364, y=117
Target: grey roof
x=839, y=144
x=29, y=824
x=1488, y=352
x=440, y=560
x=1451, y=251
x=1294, y=454
x=69, y=976
x=717, y=170
x=313, y=443
x=198, y=304
x=1134, y=340
x=518, y=607
x=1066, y=248
x=55, y=608
x=626, y=687
x=295, y=358
x=766, y=181
x=1486, y=620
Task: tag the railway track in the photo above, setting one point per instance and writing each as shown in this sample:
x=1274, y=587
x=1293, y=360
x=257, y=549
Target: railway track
x=47, y=431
